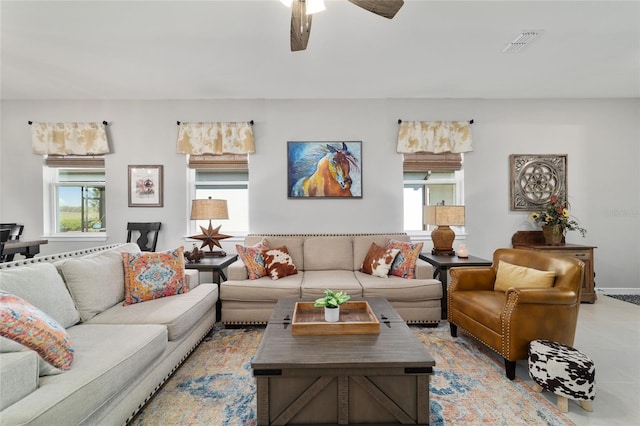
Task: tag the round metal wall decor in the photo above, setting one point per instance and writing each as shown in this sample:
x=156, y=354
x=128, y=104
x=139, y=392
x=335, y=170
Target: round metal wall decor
x=535, y=178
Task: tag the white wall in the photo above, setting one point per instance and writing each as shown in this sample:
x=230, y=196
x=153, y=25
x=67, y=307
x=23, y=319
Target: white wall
x=601, y=138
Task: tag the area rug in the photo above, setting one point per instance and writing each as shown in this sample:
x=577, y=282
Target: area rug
x=631, y=298
x=215, y=386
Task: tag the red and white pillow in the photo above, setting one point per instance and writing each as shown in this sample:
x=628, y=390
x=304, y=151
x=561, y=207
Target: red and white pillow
x=278, y=262
x=378, y=260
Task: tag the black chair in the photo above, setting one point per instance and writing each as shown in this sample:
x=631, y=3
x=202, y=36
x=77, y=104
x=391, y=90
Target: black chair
x=4, y=236
x=148, y=234
x=15, y=231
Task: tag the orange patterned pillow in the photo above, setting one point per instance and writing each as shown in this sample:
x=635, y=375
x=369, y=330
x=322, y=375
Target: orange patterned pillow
x=22, y=322
x=278, y=262
x=404, y=265
x=252, y=259
x=152, y=275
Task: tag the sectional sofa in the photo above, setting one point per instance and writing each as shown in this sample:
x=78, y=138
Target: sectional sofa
x=122, y=354
x=328, y=261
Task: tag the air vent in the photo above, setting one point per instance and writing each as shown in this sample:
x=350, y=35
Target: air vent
x=524, y=39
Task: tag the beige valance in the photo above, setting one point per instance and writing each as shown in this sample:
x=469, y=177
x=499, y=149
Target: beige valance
x=216, y=138
x=219, y=162
x=425, y=162
x=69, y=138
x=434, y=136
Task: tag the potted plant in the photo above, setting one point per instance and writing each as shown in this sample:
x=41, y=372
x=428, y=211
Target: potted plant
x=556, y=220
x=331, y=303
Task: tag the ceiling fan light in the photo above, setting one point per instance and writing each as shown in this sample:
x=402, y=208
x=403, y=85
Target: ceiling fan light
x=286, y=2
x=314, y=6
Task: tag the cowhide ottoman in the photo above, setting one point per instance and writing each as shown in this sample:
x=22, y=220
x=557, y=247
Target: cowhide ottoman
x=563, y=370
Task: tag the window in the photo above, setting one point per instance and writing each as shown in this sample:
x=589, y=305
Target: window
x=428, y=182
x=76, y=205
x=230, y=185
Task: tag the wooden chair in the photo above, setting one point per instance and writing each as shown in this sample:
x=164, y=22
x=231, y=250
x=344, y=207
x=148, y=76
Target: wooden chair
x=4, y=236
x=148, y=234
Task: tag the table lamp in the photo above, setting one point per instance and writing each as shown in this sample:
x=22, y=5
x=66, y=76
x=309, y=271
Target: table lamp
x=443, y=236
x=209, y=209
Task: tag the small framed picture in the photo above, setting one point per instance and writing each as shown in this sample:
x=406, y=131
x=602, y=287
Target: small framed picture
x=145, y=186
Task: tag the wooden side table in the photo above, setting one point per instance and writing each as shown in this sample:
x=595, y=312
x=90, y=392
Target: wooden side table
x=215, y=265
x=442, y=264
x=533, y=240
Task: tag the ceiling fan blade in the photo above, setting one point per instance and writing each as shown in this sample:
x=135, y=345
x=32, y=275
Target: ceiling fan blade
x=386, y=8
x=300, y=26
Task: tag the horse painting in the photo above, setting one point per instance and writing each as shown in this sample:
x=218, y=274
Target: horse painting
x=324, y=170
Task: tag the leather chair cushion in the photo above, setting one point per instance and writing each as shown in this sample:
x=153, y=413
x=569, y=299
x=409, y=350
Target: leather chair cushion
x=485, y=307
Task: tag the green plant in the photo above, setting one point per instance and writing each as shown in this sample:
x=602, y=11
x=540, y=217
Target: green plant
x=556, y=214
x=332, y=299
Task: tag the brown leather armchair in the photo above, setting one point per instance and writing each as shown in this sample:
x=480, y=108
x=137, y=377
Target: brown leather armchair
x=507, y=321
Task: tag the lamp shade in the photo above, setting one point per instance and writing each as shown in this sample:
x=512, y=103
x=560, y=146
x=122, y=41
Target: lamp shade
x=444, y=215
x=207, y=209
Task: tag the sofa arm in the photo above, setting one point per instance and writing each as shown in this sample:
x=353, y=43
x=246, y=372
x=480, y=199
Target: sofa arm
x=466, y=279
x=237, y=271
x=192, y=277
x=424, y=270
x=543, y=296
x=18, y=376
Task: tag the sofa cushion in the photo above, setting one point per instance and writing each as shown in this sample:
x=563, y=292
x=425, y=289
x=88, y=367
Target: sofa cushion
x=378, y=261
x=96, y=281
x=316, y=282
x=326, y=253
x=18, y=376
x=153, y=275
x=178, y=313
x=404, y=265
x=278, y=262
x=22, y=322
x=109, y=358
x=516, y=276
x=44, y=368
x=400, y=289
x=294, y=245
x=262, y=290
x=41, y=285
x=253, y=260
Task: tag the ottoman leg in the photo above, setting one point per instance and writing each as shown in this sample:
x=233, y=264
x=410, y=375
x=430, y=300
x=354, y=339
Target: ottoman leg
x=563, y=404
x=586, y=405
x=537, y=387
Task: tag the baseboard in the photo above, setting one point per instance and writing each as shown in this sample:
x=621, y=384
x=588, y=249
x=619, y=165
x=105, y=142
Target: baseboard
x=618, y=290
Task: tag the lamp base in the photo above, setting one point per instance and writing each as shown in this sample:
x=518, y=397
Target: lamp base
x=442, y=238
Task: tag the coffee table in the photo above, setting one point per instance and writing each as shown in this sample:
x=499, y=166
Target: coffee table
x=345, y=379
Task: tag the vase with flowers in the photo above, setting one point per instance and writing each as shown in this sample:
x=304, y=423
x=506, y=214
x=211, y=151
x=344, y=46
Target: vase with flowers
x=556, y=221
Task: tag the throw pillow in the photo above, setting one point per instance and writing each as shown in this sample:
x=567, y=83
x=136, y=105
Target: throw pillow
x=278, y=262
x=515, y=276
x=253, y=260
x=378, y=260
x=44, y=368
x=404, y=265
x=22, y=322
x=152, y=275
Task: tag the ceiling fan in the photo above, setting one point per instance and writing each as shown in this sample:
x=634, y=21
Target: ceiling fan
x=303, y=10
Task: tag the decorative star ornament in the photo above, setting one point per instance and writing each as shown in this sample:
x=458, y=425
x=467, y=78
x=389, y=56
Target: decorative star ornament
x=210, y=237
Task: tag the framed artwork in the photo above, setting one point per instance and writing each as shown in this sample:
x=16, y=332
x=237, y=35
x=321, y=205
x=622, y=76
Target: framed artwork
x=324, y=169
x=535, y=178
x=145, y=186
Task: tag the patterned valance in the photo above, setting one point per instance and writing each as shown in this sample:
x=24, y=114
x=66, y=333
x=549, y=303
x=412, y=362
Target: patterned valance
x=69, y=138
x=216, y=138
x=434, y=136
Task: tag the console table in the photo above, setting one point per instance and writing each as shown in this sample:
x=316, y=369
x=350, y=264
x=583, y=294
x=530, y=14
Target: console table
x=584, y=253
x=26, y=248
x=442, y=263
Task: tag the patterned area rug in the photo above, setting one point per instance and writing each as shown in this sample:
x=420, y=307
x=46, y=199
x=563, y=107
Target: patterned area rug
x=631, y=298
x=215, y=386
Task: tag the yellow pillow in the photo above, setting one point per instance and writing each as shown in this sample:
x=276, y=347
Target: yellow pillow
x=514, y=276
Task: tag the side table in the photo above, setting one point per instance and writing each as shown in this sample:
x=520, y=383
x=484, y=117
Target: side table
x=442, y=264
x=215, y=265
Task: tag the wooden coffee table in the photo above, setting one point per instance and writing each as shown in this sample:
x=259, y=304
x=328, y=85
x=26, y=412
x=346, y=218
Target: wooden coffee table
x=369, y=378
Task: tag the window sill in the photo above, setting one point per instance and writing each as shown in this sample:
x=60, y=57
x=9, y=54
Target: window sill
x=93, y=236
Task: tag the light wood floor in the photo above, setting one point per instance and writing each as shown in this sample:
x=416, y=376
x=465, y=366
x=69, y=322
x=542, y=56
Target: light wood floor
x=609, y=333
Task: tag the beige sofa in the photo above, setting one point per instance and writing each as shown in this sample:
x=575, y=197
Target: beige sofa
x=328, y=261
x=122, y=353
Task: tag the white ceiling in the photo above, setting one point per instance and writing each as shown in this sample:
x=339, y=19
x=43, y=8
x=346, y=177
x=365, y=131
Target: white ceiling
x=240, y=49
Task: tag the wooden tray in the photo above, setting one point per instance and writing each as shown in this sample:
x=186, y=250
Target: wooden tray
x=355, y=318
